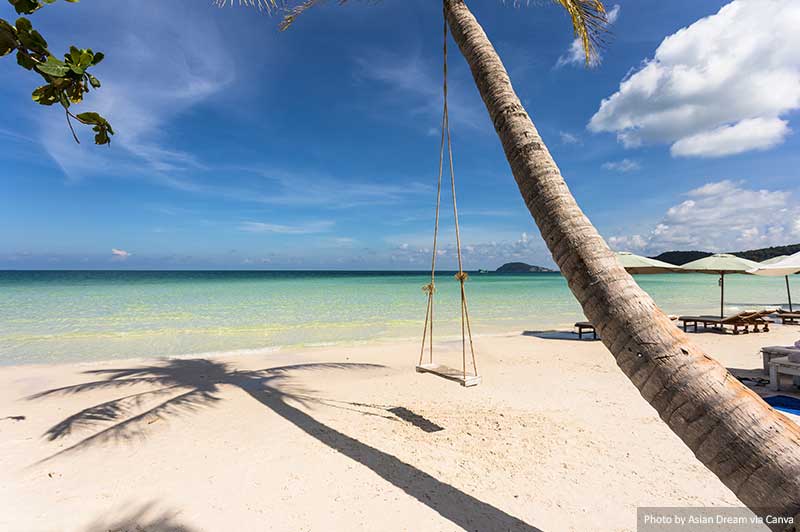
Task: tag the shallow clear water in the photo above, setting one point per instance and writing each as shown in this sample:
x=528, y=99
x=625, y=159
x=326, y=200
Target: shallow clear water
x=73, y=316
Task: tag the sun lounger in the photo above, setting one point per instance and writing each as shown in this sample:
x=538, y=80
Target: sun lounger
x=768, y=353
x=587, y=327
x=784, y=403
x=739, y=322
x=788, y=318
x=759, y=318
x=782, y=366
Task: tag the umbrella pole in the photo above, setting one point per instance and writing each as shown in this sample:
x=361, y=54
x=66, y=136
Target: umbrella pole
x=789, y=293
x=721, y=295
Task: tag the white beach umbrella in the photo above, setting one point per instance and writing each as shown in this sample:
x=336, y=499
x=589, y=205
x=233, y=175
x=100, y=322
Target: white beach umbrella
x=720, y=264
x=773, y=260
x=780, y=266
x=636, y=264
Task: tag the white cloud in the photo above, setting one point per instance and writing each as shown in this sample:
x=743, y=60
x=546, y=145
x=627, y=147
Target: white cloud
x=482, y=253
x=613, y=14
x=296, y=188
x=299, y=188
x=627, y=243
x=344, y=241
x=120, y=254
x=749, y=134
x=14, y=136
x=568, y=138
x=625, y=165
x=415, y=88
x=497, y=213
x=152, y=74
x=299, y=229
x=721, y=216
x=575, y=54
x=715, y=88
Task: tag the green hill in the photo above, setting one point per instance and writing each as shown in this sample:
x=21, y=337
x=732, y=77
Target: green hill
x=521, y=267
x=680, y=258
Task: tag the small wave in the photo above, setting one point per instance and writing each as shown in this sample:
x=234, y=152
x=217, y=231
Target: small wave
x=232, y=352
x=319, y=344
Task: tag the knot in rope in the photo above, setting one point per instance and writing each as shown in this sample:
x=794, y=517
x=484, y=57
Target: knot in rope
x=429, y=288
x=462, y=276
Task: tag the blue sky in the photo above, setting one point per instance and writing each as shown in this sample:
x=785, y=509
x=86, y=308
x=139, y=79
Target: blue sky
x=242, y=147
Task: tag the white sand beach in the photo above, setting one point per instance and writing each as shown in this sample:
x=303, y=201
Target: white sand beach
x=556, y=438
x=226, y=225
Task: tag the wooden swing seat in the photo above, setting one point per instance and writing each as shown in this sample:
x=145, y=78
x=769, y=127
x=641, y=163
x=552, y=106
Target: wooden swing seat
x=450, y=374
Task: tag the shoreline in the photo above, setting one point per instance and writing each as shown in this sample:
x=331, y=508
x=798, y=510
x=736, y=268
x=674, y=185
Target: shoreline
x=286, y=349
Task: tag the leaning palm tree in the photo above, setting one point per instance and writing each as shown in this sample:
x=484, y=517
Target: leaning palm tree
x=753, y=449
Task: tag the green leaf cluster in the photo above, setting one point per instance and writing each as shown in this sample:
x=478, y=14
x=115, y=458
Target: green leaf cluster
x=26, y=7
x=100, y=126
x=67, y=80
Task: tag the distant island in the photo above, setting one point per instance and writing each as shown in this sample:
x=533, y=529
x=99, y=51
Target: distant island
x=521, y=267
x=679, y=258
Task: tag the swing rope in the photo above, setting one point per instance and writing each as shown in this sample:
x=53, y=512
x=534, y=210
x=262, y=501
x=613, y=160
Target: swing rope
x=461, y=276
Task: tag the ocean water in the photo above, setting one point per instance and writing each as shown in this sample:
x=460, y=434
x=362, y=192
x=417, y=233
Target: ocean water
x=64, y=316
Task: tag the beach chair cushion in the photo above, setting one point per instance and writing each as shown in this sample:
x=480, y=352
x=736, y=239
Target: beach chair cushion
x=784, y=403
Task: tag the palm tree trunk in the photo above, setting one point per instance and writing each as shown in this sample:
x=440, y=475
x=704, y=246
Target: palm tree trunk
x=753, y=449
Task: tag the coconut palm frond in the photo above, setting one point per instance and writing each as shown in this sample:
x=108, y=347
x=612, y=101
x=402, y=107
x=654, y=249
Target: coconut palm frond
x=296, y=11
x=293, y=13
x=264, y=5
x=291, y=10
x=590, y=23
x=106, y=412
x=95, y=385
x=589, y=19
x=134, y=427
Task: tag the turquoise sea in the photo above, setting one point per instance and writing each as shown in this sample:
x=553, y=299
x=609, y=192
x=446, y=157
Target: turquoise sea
x=66, y=316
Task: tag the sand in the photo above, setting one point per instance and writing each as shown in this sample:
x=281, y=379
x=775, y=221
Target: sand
x=348, y=438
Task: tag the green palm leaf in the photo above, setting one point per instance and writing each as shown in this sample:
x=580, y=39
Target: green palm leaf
x=589, y=20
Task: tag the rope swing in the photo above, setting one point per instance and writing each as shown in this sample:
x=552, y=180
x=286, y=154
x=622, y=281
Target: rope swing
x=466, y=332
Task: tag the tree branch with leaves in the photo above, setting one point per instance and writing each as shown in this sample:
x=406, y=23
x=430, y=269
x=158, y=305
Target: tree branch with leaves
x=66, y=81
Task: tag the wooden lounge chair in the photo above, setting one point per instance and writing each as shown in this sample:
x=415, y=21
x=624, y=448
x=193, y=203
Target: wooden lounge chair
x=788, y=318
x=739, y=322
x=759, y=318
x=585, y=327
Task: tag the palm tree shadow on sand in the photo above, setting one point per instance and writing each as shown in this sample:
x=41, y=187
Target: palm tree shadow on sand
x=189, y=385
x=144, y=518
x=554, y=334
